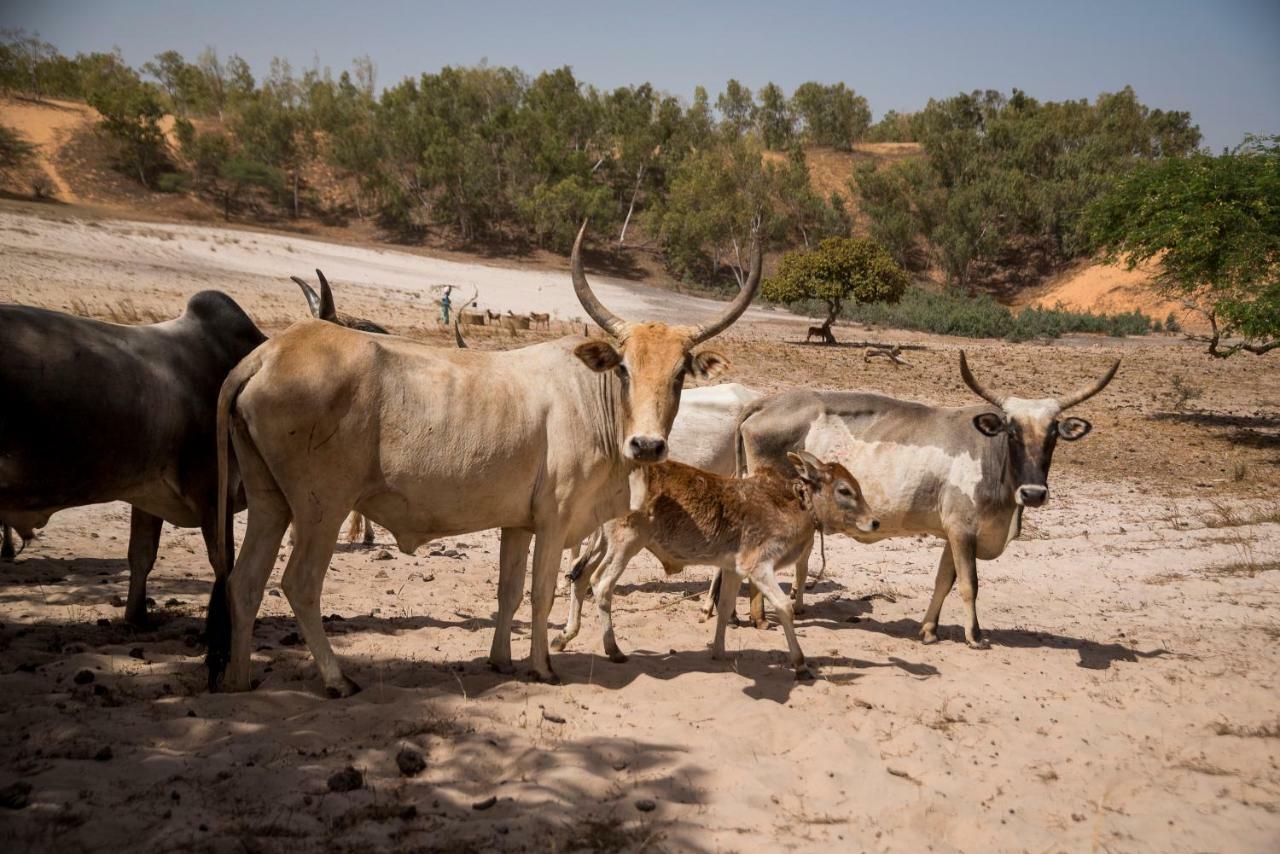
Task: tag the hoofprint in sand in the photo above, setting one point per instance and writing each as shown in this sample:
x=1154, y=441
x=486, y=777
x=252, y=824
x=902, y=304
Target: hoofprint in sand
x=1127, y=703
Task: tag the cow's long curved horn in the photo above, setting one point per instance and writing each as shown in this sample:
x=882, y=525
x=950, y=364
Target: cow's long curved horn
x=313, y=301
x=608, y=321
x=971, y=382
x=739, y=305
x=1083, y=394
x=327, y=310
x=457, y=318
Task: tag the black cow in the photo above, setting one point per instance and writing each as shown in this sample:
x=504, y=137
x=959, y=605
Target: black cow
x=97, y=412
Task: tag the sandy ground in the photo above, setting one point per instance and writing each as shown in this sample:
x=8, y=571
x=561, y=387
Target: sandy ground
x=1128, y=702
x=1111, y=289
x=49, y=125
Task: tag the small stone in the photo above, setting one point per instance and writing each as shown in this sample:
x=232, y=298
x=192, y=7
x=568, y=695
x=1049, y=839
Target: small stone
x=84, y=677
x=116, y=601
x=486, y=803
x=410, y=762
x=346, y=780
x=173, y=603
x=274, y=592
x=554, y=718
x=383, y=555
x=646, y=805
x=103, y=755
x=16, y=796
x=621, y=765
x=333, y=618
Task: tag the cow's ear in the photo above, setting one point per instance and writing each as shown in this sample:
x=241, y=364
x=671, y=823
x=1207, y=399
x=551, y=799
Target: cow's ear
x=808, y=466
x=599, y=356
x=708, y=364
x=989, y=423
x=1073, y=428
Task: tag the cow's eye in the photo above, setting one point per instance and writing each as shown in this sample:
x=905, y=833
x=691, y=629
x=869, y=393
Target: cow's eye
x=845, y=491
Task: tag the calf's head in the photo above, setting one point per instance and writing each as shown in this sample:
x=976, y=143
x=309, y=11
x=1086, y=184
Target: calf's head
x=1032, y=427
x=651, y=362
x=834, y=495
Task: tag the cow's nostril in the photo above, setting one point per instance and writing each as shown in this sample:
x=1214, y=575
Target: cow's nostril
x=875, y=524
x=647, y=448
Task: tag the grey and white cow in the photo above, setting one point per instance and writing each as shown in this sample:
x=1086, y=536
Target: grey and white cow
x=960, y=473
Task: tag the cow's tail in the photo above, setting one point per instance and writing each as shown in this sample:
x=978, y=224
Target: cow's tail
x=218, y=620
x=592, y=554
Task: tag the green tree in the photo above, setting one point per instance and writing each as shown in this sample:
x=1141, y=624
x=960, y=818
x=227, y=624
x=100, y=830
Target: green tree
x=131, y=112
x=776, y=121
x=841, y=270
x=831, y=115
x=737, y=109
x=1213, y=223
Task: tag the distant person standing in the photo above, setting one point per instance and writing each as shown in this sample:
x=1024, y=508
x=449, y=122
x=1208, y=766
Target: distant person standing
x=444, y=305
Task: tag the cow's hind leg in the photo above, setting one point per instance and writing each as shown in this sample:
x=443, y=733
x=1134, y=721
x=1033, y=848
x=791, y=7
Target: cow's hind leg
x=144, y=543
x=941, y=587
x=302, y=583
x=6, y=548
x=513, y=555
x=368, y=531
x=802, y=577
x=766, y=582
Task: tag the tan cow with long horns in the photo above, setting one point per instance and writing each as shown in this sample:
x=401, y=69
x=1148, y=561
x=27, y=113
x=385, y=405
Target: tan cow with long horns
x=960, y=473
x=538, y=441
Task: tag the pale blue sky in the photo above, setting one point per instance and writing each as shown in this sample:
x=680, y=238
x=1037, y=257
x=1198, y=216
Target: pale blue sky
x=1219, y=60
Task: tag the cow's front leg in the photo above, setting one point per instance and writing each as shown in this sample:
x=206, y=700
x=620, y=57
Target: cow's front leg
x=548, y=548
x=941, y=587
x=625, y=542
x=144, y=543
x=963, y=552
x=762, y=576
x=513, y=554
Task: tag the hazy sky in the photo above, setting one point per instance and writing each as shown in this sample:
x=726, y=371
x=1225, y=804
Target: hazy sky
x=1219, y=60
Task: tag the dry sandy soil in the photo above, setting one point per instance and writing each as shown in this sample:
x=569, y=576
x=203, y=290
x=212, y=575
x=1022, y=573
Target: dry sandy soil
x=1128, y=702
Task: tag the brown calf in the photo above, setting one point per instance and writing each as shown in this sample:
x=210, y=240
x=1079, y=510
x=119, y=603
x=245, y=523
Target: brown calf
x=748, y=525
x=543, y=320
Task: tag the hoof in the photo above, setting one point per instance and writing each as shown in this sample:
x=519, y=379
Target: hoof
x=927, y=638
x=346, y=689
x=804, y=674
x=618, y=657
x=798, y=610
x=548, y=678
x=558, y=644
x=981, y=643
x=506, y=668
x=763, y=625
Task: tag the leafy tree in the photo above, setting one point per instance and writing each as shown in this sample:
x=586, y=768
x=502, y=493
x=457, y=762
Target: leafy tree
x=831, y=115
x=893, y=127
x=737, y=109
x=131, y=112
x=184, y=84
x=24, y=62
x=841, y=270
x=777, y=122
x=1213, y=223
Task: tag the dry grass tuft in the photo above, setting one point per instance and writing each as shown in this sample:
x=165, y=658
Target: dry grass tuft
x=1271, y=730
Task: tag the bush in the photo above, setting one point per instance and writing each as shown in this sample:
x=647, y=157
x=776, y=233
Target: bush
x=982, y=317
x=173, y=182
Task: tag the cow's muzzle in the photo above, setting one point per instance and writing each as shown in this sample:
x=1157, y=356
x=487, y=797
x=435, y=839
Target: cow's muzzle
x=868, y=526
x=1032, y=496
x=647, y=449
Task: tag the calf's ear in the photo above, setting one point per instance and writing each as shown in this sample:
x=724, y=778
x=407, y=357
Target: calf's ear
x=708, y=364
x=989, y=424
x=808, y=466
x=599, y=356
x=1073, y=428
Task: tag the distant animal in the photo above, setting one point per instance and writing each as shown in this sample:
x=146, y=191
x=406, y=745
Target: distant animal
x=493, y=316
x=964, y=474
x=511, y=322
x=543, y=320
x=322, y=307
x=538, y=441
x=745, y=526
x=98, y=412
x=823, y=333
